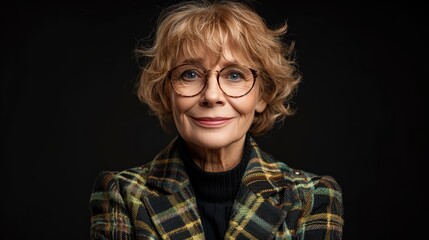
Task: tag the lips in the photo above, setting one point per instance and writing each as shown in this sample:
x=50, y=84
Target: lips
x=212, y=121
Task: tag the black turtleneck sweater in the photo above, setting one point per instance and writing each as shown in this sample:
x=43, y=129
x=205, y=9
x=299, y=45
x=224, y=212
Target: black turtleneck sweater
x=215, y=191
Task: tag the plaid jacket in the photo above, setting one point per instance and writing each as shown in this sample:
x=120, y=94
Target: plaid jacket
x=156, y=201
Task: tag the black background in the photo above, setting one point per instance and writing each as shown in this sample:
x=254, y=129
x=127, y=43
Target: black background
x=69, y=110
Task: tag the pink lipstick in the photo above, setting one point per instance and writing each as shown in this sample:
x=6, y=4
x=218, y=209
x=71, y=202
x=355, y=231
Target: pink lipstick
x=211, y=122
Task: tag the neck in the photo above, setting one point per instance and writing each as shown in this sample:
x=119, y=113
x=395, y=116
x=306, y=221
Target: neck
x=217, y=160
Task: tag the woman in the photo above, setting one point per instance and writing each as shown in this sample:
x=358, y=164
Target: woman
x=220, y=75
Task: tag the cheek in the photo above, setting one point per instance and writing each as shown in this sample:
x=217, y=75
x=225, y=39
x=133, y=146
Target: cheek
x=244, y=106
x=181, y=105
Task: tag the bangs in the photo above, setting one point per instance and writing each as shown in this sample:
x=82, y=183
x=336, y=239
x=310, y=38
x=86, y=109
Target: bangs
x=207, y=34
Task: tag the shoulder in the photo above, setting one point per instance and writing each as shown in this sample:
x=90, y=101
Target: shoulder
x=128, y=181
x=131, y=174
x=304, y=181
x=164, y=172
x=157, y=177
x=315, y=202
x=307, y=193
x=264, y=167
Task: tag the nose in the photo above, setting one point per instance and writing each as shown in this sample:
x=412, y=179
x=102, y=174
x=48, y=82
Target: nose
x=212, y=94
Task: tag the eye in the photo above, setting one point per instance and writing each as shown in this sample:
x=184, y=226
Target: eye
x=189, y=74
x=235, y=75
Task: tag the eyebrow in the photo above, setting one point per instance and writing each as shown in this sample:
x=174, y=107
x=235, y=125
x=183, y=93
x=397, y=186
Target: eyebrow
x=198, y=61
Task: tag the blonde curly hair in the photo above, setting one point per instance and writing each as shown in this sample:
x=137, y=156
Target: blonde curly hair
x=191, y=27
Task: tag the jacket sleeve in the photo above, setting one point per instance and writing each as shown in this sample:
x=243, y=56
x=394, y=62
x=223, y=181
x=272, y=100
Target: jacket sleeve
x=322, y=215
x=109, y=217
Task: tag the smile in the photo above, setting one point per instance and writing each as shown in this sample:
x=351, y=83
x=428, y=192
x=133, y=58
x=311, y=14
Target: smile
x=212, y=122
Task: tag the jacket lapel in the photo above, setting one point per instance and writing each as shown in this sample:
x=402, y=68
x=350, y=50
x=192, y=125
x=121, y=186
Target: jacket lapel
x=174, y=212
x=254, y=217
x=175, y=216
x=260, y=206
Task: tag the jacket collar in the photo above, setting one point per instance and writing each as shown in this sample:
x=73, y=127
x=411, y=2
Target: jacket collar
x=257, y=211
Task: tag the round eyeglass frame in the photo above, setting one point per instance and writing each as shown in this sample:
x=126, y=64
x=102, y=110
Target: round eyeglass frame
x=205, y=71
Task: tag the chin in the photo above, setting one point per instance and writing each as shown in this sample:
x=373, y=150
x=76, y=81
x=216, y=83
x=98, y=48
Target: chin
x=212, y=140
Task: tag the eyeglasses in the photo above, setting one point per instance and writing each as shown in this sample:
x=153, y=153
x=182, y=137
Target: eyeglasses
x=189, y=80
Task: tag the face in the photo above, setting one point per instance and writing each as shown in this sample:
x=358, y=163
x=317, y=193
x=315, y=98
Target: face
x=212, y=119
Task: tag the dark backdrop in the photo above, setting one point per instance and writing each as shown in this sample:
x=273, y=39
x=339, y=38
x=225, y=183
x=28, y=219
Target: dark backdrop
x=69, y=110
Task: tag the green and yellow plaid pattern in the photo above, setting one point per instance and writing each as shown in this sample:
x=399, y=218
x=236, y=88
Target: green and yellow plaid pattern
x=156, y=201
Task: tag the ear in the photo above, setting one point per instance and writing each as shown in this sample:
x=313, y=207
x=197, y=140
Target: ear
x=260, y=106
